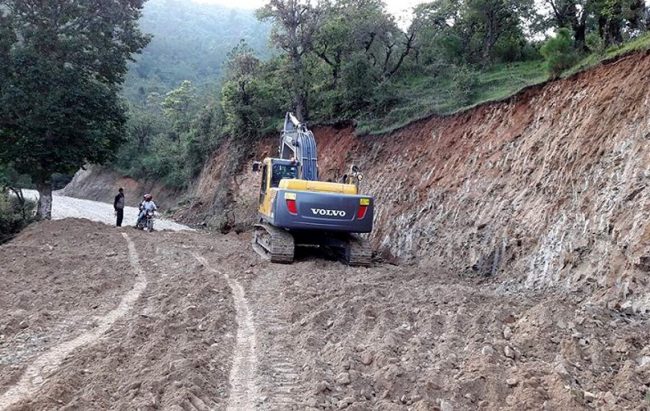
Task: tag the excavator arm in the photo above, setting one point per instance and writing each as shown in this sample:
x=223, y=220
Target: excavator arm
x=297, y=143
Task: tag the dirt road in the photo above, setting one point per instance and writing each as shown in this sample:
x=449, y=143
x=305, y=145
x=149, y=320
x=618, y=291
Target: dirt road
x=69, y=207
x=96, y=317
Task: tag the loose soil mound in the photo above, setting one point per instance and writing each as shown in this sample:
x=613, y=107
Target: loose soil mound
x=172, y=349
x=327, y=336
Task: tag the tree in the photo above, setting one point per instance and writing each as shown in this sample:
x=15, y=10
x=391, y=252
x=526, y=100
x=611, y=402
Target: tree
x=352, y=26
x=439, y=40
x=571, y=14
x=252, y=93
x=177, y=106
x=63, y=62
x=294, y=25
x=471, y=31
x=613, y=21
x=359, y=48
x=559, y=53
x=488, y=21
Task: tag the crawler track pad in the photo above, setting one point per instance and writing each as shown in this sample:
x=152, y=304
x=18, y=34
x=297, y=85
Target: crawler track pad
x=273, y=244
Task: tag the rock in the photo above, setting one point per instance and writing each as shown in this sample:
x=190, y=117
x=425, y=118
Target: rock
x=366, y=358
x=343, y=378
x=23, y=324
x=644, y=263
x=609, y=398
x=423, y=405
x=620, y=346
x=643, y=361
x=512, y=382
x=345, y=402
x=507, y=332
x=588, y=396
x=509, y=352
x=111, y=254
x=560, y=369
x=446, y=406
x=487, y=350
x=322, y=387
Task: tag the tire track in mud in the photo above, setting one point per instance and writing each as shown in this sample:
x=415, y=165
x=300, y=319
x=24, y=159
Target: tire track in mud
x=35, y=375
x=244, y=393
x=281, y=381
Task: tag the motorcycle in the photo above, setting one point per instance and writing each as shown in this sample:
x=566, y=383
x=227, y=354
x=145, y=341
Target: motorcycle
x=146, y=223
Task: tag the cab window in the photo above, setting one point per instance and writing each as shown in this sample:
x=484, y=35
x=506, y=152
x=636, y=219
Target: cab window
x=264, y=181
x=264, y=178
x=281, y=171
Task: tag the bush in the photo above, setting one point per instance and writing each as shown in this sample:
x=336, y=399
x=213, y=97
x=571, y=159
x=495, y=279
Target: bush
x=59, y=180
x=559, y=53
x=14, y=215
x=595, y=43
x=465, y=82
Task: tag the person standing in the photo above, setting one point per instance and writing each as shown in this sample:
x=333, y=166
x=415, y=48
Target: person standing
x=118, y=205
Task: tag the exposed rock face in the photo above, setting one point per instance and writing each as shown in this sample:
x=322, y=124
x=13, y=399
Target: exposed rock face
x=101, y=184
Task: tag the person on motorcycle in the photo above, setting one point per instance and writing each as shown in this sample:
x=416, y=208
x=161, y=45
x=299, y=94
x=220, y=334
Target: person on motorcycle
x=147, y=205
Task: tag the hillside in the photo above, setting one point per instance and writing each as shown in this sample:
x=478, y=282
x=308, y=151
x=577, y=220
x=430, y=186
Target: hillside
x=190, y=42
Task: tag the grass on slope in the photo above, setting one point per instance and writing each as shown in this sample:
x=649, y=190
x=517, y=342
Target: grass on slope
x=421, y=96
x=639, y=44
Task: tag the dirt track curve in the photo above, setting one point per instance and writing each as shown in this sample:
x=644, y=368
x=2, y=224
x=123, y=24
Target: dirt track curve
x=96, y=317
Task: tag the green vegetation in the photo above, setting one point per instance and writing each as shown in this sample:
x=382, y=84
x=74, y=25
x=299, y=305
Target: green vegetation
x=190, y=41
x=348, y=59
x=15, y=214
x=422, y=96
x=212, y=75
x=558, y=52
x=15, y=211
x=62, y=66
x=641, y=43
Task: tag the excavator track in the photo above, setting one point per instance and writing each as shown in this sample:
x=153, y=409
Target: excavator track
x=357, y=252
x=273, y=244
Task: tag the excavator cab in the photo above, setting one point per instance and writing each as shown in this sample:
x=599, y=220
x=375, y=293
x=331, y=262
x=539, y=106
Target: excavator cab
x=273, y=170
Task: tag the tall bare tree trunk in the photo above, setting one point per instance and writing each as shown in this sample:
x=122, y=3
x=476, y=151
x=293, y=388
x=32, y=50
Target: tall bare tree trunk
x=44, y=208
x=299, y=86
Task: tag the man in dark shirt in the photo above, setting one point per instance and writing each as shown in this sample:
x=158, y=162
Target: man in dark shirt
x=118, y=205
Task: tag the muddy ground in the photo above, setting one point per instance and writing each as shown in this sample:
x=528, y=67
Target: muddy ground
x=185, y=320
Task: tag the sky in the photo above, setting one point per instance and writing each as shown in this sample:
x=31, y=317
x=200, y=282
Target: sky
x=401, y=9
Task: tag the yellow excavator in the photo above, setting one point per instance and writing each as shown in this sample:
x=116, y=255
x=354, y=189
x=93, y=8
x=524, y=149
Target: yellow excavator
x=295, y=209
